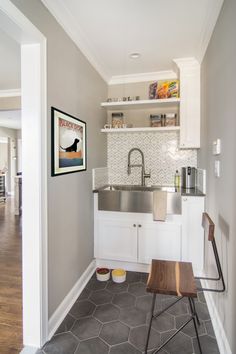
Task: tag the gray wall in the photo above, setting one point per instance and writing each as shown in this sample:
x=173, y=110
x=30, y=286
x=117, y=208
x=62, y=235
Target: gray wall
x=219, y=121
x=10, y=63
x=74, y=87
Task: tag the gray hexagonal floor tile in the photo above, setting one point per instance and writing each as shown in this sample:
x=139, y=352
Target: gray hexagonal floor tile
x=202, y=311
x=133, y=316
x=189, y=329
x=124, y=348
x=106, y=313
x=133, y=277
x=83, y=308
x=209, y=328
x=100, y=297
x=84, y=295
x=86, y=328
x=208, y=345
x=144, y=303
x=61, y=344
x=201, y=297
x=179, y=344
x=180, y=308
x=165, y=322
x=92, y=346
x=138, y=337
x=66, y=325
x=124, y=300
x=144, y=277
x=94, y=284
x=114, y=333
x=116, y=288
x=137, y=289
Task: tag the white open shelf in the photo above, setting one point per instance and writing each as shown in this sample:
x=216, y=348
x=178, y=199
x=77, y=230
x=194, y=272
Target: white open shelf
x=140, y=103
x=141, y=129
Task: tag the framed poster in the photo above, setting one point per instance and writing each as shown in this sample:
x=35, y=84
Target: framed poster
x=68, y=143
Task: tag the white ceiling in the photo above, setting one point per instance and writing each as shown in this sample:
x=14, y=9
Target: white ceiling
x=107, y=31
x=9, y=62
x=10, y=119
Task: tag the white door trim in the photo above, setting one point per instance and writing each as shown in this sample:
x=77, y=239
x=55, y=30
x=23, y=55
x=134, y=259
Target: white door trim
x=34, y=162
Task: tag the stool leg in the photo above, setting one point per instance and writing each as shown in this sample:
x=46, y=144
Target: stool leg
x=194, y=308
x=150, y=323
x=194, y=315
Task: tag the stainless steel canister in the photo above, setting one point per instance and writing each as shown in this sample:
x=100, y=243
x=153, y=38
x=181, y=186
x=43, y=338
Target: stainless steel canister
x=189, y=177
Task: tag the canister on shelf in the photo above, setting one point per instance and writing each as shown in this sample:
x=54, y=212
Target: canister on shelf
x=156, y=120
x=117, y=119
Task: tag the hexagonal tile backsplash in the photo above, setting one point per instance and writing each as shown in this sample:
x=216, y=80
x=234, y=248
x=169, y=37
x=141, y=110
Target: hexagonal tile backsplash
x=161, y=153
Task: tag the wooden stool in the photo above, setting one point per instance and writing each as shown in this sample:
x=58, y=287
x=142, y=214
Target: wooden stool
x=172, y=278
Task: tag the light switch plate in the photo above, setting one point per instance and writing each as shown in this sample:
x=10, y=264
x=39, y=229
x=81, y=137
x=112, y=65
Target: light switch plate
x=217, y=168
x=216, y=147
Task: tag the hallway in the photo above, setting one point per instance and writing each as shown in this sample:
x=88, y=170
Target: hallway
x=10, y=280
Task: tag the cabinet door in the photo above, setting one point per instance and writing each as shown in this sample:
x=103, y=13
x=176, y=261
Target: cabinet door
x=116, y=240
x=193, y=234
x=159, y=240
x=189, y=72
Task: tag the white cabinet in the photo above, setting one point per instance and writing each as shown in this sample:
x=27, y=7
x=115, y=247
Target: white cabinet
x=192, y=232
x=116, y=239
x=189, y=74
x=136, y=238
x=159, y=240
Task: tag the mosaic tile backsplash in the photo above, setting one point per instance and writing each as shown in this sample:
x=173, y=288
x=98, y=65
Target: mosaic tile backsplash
x=162, y=157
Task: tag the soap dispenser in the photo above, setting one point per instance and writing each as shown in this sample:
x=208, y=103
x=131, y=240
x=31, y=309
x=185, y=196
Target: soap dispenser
x=177, y=179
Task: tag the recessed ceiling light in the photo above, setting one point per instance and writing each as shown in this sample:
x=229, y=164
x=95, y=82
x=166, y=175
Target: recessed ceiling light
x=135, y=55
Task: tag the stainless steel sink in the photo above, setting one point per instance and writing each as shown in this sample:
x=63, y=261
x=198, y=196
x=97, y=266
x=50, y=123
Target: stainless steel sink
x=136, y=199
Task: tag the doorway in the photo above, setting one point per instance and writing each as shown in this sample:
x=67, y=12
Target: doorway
x=34, y=167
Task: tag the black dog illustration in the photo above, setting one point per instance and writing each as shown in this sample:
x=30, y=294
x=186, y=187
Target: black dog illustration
x=73, y=147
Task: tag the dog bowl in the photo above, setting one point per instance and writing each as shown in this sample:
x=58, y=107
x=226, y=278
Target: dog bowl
x=118, y=275
x=103, y=274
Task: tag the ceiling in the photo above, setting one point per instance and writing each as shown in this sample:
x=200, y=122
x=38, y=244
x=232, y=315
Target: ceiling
x=10, y=119
x=107, y=31
x=10, y=63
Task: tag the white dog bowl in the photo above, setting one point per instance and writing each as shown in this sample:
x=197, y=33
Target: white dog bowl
x=103, y=274
x=118, y=275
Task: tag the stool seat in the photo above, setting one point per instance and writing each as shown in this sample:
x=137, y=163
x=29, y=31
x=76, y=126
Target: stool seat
x=172, y=278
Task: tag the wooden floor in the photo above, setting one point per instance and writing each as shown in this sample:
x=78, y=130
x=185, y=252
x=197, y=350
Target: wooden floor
x=10, y=280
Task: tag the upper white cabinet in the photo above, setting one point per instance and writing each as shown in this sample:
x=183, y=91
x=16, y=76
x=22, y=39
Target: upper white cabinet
x=189, y=75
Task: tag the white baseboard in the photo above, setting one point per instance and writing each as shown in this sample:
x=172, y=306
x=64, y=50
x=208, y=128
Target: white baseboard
x=220, y=334
x=131, y=266
x=29, y=350
x=65, y=306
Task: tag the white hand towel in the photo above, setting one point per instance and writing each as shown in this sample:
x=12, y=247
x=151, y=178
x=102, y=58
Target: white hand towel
x=159, y=205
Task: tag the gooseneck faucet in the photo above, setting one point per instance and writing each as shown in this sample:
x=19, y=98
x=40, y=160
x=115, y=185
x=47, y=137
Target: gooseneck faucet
x=143, y=174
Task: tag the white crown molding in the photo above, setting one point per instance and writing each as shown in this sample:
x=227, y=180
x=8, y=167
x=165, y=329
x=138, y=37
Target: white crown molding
x=71, y=27
x=142, y=77
x=186, y=62
x=208, y=28
x=10, y=93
